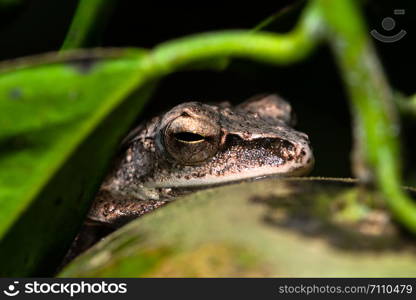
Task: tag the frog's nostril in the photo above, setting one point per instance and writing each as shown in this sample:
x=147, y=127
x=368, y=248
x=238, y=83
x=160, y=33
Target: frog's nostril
x=286, y=150
x=307, y=157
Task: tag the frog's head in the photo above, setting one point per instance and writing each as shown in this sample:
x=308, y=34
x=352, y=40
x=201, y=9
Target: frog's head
x=197, y=144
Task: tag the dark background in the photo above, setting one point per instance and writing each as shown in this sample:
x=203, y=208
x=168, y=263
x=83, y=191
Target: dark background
x=312, y=86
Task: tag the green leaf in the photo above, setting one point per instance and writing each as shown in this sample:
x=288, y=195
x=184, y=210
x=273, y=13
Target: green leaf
x=295, y=227
x=61, y=118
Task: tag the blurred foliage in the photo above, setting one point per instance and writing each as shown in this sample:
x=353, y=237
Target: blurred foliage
x=88, y=23
x=5, y=3
x=62, y=116
x=378, y=149
x=407, y=105
x=59, y=127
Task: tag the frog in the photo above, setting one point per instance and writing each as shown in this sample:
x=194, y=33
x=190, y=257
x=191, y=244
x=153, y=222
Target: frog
x=196, y=145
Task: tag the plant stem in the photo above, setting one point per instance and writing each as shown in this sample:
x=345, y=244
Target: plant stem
x=87, y=22
x=377, y=128
x=260, y=46
x=407, y=106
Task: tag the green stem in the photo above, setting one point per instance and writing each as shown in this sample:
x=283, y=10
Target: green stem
x=407, y=106
x=377, y=128
x=87, y=22
x=278, y=15
x=260, y=46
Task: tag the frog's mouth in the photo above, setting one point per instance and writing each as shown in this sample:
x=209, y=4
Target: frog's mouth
x=258, y=173
x=244, y=161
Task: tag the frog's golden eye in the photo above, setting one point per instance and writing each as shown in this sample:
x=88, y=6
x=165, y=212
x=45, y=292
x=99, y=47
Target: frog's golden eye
x=191, y=140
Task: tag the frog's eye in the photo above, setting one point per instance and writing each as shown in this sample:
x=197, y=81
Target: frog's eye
x=191, y=140
x=189, y=137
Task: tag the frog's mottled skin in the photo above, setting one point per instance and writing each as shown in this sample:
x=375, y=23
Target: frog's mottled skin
x=229, y=143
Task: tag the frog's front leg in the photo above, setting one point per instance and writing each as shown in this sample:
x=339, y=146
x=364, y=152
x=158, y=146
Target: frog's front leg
x=116, y=209
x=109, y=211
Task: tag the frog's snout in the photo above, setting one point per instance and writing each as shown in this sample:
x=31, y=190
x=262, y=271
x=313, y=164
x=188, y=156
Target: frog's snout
x=305, y=158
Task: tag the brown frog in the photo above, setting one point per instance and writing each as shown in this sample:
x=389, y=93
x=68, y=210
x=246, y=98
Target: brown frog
x=196, y=145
